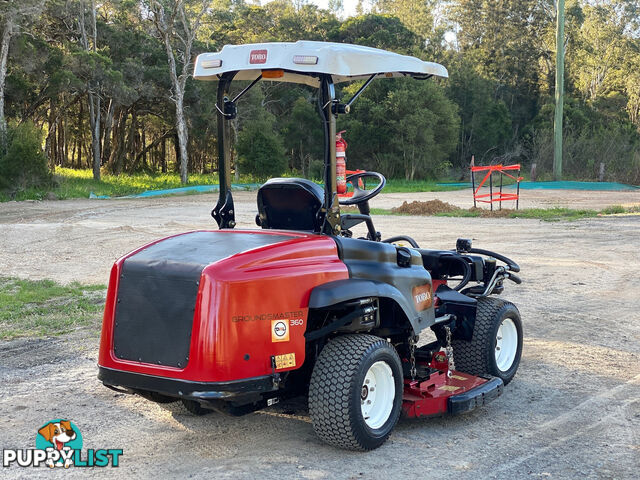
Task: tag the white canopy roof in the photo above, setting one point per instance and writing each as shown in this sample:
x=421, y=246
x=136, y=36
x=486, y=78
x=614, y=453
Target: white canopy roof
x=345, y=62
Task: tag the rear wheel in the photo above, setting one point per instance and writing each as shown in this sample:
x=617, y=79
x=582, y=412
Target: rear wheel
x=355, y=394
x=496, y=346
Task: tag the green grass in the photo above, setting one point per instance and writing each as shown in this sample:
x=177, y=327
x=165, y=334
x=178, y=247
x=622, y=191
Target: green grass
x=554, y=214
x=614, y=209
x=40, y=308
x=547, y=214
x=396, y=185
x=71, y=183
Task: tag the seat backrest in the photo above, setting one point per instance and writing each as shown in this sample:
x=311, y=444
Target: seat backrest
x=290, y=204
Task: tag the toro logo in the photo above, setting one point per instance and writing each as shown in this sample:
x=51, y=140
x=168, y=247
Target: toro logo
x=258, y=56
x=279, y=331
x=422, y=297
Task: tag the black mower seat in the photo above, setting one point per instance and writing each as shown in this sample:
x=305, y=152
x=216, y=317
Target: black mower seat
x=290, y=204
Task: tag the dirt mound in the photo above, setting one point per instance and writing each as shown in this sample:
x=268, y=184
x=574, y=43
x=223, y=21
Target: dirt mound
x=433, y=207
x=424, y=208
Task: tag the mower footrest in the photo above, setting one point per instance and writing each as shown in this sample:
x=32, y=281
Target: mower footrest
x=476, y=397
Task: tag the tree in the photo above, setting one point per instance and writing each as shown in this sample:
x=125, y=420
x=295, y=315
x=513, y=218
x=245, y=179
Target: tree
x=260, y=149
x=601, y=49
x=380, y=31
x=485, y=121
x=416, y=15
x=402, y=127
x=336, y=6
x=632, y=88
x=85, y=69
x=302, y=135
x=12, y=15
x=24, y=164
x=92, y=87
x=177, y=23
x=277, y=21
x=505, y=43
x=425, y=127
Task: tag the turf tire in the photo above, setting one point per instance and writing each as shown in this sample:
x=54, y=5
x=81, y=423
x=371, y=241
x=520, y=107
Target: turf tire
x=335, y=389
x=477, y=356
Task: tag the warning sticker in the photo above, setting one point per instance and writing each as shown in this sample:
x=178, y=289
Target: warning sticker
x=449, y=388
x=279, y=331
x=458, y=377
x=287, y=360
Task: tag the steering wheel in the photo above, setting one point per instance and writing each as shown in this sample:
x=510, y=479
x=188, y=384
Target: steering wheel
x=360, y=195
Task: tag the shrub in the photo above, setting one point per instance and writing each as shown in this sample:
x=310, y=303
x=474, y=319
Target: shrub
x=25, y=164
x=316, y=170
x=589, y=138
x=260, y=149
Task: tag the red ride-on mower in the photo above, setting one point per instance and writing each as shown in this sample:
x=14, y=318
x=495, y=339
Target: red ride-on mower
x=236, y=320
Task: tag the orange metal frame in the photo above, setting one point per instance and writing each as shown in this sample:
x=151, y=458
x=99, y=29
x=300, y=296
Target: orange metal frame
x=492, y=196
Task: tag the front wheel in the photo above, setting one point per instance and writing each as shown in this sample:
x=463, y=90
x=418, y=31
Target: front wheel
x=355, y=394
x=496, y=346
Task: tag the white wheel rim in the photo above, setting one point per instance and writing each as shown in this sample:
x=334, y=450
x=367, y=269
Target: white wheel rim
x=377, y=394
x=506, y=344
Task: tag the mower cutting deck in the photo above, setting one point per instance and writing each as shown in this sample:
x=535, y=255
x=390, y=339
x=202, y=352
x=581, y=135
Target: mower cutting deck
x=443, y=391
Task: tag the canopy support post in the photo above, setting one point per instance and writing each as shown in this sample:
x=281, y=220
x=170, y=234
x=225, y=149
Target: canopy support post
x=327, y=98
x=224, y=212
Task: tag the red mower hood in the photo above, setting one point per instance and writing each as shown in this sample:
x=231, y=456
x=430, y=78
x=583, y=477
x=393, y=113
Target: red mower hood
x=200, y=305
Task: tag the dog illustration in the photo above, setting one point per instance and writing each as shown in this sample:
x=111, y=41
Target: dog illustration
x=58, y=433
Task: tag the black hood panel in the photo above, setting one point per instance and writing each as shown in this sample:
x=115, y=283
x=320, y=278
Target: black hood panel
x=158, y=290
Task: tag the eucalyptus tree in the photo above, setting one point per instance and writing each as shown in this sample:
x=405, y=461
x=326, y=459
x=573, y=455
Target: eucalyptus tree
x=89, y=39
x=13, y=16
x=177, y=23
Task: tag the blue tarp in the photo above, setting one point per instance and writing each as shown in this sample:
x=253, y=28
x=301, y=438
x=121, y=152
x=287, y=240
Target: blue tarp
x=455, y=184
x=561, y=185
x=183, y=190
x=568, y=185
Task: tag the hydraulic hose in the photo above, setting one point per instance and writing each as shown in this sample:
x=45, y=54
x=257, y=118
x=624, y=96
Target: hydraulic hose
x=467, y=273
x=513, y=266
x=402, y=238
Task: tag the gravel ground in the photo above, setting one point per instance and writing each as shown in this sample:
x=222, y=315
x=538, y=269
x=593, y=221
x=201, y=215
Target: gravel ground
x=572, y=411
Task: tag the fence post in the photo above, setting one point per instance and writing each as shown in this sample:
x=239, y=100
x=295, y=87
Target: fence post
x=533, y=172
x=491, y=189
x=473, y=181
x=501, y=175
x=601, y=175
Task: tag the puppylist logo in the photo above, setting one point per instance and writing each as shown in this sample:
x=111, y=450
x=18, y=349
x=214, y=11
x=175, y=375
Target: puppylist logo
x=59, y=444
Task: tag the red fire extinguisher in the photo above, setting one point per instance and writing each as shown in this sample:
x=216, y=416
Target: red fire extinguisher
x=341, y=163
